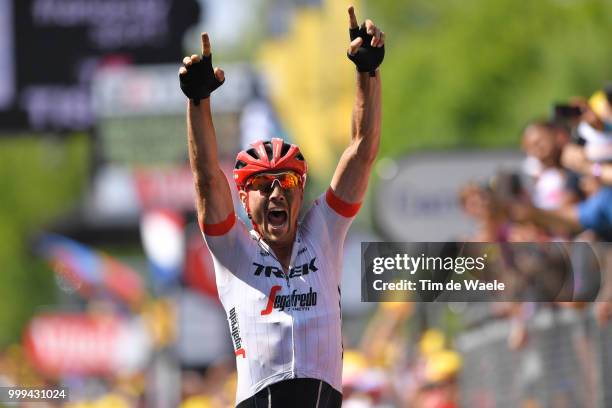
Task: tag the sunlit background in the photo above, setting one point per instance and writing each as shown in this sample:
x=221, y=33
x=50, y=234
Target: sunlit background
x=105, y=287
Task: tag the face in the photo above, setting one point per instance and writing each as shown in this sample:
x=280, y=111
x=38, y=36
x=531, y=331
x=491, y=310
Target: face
x=540, y=143
x=476, y=202
x=274, y=201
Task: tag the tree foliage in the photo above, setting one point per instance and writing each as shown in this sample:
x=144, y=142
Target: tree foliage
x=471, y=73
x=39, y=179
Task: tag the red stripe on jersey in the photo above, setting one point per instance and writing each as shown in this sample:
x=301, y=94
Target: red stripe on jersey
x=340, y=206
x=240, y=352
x=220, y=228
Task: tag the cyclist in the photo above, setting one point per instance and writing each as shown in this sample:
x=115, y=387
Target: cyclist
x=280, y=282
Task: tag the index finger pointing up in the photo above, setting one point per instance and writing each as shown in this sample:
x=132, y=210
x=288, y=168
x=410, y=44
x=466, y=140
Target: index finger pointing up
x=205, y=45
x=352, y=19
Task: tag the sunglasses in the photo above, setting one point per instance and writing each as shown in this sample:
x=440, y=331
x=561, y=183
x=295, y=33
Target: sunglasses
x=265, y=182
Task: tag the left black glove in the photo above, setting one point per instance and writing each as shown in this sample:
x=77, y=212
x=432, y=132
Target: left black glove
x=367, y=58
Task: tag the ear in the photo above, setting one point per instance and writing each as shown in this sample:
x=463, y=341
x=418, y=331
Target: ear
x=242, y=195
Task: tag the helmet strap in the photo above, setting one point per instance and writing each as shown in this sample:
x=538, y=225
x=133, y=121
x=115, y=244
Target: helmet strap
x=248, y=212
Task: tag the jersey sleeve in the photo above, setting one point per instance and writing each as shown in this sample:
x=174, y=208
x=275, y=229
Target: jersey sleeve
x=327, y=222
x=228, y=242
x=339, y=206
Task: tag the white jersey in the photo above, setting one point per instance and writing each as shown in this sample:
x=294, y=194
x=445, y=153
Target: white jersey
x=284, y=325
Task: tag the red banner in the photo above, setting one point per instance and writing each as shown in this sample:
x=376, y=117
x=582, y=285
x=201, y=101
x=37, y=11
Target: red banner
x=79, y=344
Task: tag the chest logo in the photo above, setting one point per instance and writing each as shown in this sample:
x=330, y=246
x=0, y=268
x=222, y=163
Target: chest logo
x=299, y=270
x=294, y=301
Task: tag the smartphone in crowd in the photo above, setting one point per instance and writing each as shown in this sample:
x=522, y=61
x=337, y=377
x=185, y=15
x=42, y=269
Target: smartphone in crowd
x=564, y=111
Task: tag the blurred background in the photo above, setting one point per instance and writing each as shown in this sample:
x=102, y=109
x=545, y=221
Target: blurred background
x=497, y=127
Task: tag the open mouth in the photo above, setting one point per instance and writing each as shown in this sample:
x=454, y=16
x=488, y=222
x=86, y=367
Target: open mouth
x=277, y=217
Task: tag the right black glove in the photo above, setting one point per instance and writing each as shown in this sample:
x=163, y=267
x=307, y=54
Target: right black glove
x=199, y=81
x=367, y=58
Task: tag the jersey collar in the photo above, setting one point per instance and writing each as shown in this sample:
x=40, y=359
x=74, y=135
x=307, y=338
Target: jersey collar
x=264, y=245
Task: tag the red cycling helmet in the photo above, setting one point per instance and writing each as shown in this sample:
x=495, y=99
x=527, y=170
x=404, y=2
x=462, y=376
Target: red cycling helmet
x=267, y=156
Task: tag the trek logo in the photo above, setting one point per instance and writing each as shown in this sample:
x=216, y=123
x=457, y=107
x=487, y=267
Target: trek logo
x=294, y=301
x=239, y=351
x=295, y=271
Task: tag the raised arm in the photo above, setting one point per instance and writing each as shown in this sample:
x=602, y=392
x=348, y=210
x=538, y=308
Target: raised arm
x=574, y=158
x=366, y=50
x=198, y=80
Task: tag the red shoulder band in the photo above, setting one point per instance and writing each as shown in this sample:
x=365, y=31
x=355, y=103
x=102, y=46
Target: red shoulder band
x=220, y=228
x=340, y=206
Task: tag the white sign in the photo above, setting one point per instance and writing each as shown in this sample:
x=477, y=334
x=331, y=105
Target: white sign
x=419, y=199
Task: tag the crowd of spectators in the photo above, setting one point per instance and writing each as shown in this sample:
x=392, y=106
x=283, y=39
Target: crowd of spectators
x=565, y=187
x=562, y=196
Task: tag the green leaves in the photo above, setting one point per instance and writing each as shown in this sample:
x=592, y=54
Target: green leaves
x=471, y=73
x=40, y=178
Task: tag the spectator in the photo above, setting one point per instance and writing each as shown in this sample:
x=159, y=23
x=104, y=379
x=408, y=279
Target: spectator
x=479, y=203
x=542, y=142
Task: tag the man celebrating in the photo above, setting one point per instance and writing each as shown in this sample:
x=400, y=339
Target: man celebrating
x=280, y=282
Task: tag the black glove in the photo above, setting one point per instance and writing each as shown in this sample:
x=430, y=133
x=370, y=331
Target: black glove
x=367, y=58
x=199, y=81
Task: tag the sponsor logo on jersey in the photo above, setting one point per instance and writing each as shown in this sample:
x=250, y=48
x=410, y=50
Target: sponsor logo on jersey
x=235, y=329
x=294, y=271
x=294, y=301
